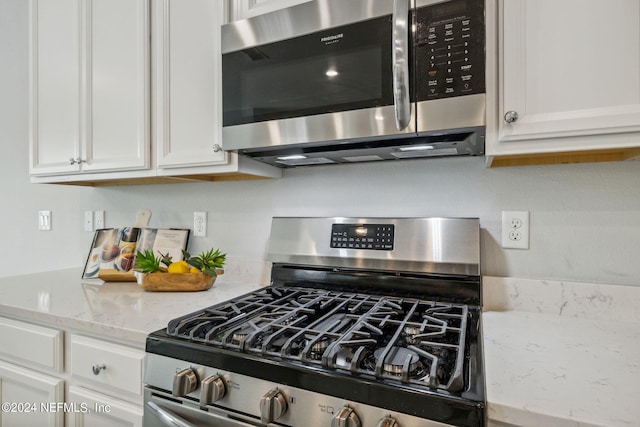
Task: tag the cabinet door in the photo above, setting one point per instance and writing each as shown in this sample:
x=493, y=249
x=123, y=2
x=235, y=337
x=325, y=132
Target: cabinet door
x=30, y=398
x=187, y=83
x=100, y=410
x=54, y=86
x=32, y=346
x=569, y=68
x=242, y=9
x=116, y=65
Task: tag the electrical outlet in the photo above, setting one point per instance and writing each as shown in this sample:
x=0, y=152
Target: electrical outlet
x=98, y=219
x=200, y=224
x=88, y=220
x=44, y=220
x=515, y=229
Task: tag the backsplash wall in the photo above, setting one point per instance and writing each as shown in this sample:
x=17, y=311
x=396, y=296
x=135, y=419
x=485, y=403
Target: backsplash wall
x=585, y=219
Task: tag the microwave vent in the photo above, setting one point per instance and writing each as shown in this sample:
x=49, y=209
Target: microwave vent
x=451, y=151
x=355, y=159
x=468, y=142
x=308, y=161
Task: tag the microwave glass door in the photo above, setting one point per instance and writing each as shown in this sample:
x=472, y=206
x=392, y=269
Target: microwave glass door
x=340, y=69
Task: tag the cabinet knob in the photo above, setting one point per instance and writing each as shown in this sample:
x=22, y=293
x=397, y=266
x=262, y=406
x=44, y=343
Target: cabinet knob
x=98, y=368
x=77, y=160
x=511, y=116
x=217, y=148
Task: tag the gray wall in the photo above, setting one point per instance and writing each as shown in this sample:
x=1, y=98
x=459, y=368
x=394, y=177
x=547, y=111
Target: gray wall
x=585, y=219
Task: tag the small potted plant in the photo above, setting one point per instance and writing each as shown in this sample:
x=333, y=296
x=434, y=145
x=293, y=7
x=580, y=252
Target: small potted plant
x=192, y=273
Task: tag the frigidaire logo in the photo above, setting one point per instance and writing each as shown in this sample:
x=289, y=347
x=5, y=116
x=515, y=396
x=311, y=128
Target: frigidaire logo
x=332, y=39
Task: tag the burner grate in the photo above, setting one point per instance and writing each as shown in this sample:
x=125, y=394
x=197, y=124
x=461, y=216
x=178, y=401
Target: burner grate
x=415, y=342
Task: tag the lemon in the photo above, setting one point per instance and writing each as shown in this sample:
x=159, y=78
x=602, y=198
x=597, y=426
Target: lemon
x=194, y=270
x=179, y=267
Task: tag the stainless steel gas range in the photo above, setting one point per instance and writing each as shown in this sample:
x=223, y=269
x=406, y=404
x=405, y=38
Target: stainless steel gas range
x=366, y=322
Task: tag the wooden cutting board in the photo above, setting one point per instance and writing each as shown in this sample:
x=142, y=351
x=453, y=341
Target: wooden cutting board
x=113, y=275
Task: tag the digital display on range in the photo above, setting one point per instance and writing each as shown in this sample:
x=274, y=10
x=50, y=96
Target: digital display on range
x=363, y=236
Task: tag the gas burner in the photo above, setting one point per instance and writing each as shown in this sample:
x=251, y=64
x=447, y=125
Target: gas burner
x=240, y=335
x=318, y=346
x=238, y=338
x=397, y=359
x=410, y=332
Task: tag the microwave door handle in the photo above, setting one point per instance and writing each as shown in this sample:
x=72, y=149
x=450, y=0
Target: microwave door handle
x=400, y=59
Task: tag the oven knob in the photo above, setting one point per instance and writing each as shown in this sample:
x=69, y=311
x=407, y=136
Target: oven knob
x=346, y=418
x=388, y=422
x=184, y=382
x=273, y=405
x=212, y=389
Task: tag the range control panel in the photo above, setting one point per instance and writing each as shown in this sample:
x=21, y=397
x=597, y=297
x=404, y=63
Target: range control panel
x=450, y=51
x=363, y=236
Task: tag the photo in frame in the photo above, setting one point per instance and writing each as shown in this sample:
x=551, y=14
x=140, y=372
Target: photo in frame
x=113, y=250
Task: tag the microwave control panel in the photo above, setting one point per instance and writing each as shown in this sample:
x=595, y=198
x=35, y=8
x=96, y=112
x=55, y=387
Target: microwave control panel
x=363, y=236
x=450, y=49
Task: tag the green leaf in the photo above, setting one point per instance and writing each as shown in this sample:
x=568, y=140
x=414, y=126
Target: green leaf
x=207, y=261
x=146, y=262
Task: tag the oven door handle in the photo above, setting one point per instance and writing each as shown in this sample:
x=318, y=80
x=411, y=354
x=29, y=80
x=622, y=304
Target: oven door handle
x=400, y=59
x=167, y=418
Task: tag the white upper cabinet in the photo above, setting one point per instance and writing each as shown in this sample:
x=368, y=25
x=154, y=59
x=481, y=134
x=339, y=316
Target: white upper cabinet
x=187, y=83
x=54, y=86
x=569, y=77
x=117, y=85
x=113, y=81
x=242, y=9
x=89, y=86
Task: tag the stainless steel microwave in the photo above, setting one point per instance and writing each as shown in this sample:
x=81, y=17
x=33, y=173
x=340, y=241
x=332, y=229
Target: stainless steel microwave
x=335, y=81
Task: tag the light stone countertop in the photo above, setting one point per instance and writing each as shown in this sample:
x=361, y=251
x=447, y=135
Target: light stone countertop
x=121, y=311
x=557, y=354
x=561, y=354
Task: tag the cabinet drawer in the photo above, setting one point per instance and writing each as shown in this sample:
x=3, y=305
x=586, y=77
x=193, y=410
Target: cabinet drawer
x=30, y=345
x=104, y=364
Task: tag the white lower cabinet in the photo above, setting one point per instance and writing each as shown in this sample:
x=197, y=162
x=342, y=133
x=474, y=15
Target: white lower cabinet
x=30, y=398
x=31, y=362
x=33, y=346
x=106, y=366
x=100, y=410
x=106, y=383
x=103, y=380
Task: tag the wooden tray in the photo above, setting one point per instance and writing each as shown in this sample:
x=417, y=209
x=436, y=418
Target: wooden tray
x=176, y=282
x=113, y=275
